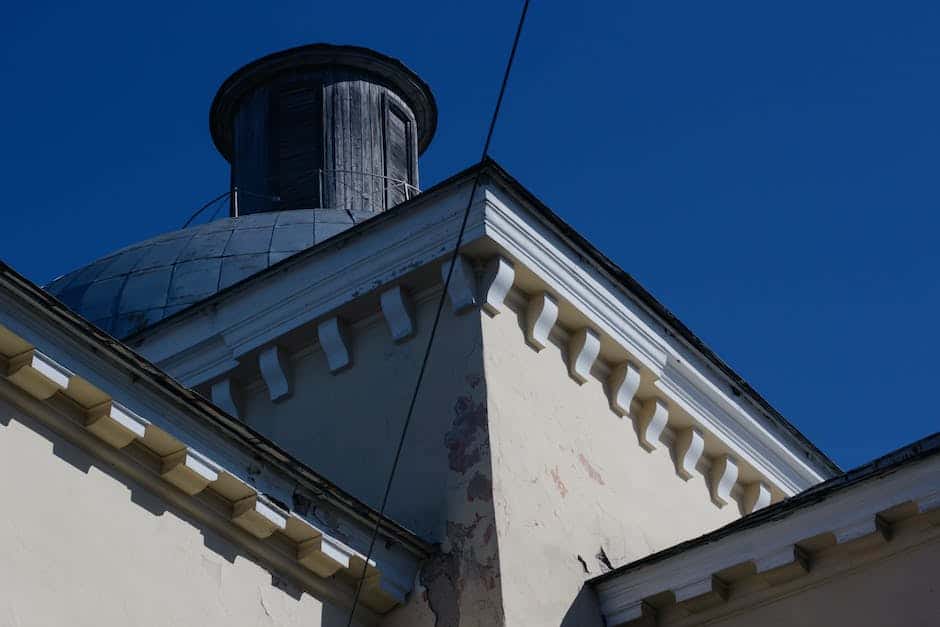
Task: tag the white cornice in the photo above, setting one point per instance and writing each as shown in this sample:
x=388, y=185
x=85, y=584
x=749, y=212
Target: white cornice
x=315, y=286
x=628, y=323
x=120, y=408
x=258, y=313
x=849, y=514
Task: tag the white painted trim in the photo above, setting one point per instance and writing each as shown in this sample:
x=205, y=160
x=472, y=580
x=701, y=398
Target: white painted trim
x=168, y=429
x=115, y=424
x=38, y=374
x=274, y=364
x=258, y=517
x=189, y=471
x=583, y=349
x=705, y=586
x=627, y=321
x=541, y=314
x=654, y=413
x=335, y=344
x=498, y=276
x=623, y=383
x=689, y=446
x=780, y=557
x=226, y=396
x=723, y=475
x=398, y=311
x=462, y=287
x=867, y=525
x=756, y=496
x=763, y=543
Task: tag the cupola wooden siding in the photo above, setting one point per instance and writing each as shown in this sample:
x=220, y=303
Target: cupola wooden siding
x=322, y=127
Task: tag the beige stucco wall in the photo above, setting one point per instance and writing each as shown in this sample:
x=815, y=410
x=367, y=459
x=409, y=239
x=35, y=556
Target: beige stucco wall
x=571, y=480
x=346, y=425
x=80, y=546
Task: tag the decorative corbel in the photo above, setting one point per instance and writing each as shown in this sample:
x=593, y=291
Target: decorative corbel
x=541, y=314
x=583, y=348
x=398, y=311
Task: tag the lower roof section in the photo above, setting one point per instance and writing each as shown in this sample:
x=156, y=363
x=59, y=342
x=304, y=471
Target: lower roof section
x=863, y=507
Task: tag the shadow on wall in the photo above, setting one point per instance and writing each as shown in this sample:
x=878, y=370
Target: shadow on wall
x=143, y=498
x=584, y=610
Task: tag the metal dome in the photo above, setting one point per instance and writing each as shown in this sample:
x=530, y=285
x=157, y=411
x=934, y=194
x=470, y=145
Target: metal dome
x=137, y=286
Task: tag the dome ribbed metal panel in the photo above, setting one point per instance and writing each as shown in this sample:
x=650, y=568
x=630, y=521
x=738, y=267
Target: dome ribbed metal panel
x=140, y=285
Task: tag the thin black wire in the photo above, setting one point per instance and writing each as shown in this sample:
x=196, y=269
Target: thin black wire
x=204, y=207
x=440, y=308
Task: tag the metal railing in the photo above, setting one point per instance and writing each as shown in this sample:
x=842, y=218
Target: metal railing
x=365, y=186
x=362, y=190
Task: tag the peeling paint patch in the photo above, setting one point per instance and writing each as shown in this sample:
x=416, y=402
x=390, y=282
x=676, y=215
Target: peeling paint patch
x=488, y=534
x=559, y=484
x=446, y=574
x=466, y=441
x=591, y=471
x=480, y=488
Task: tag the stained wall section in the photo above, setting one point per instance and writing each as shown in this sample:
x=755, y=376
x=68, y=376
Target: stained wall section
x=573, y=491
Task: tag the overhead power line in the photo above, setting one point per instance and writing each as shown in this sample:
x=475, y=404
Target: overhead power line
x=440, y=308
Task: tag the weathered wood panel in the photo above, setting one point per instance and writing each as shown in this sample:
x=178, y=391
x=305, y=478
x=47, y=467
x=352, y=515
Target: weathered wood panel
x=341, y=126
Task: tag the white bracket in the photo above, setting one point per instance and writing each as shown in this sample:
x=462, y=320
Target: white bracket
x=623, y=383
x=275, y=370
x=756, y=496
x=723, y=474
x=333, y=340
x=398, y=311
x=461, y=291
x=541, y=314
x=225, y=395
x=654, y=413
x=497, y=281
x=689, y=447
x=583, y=348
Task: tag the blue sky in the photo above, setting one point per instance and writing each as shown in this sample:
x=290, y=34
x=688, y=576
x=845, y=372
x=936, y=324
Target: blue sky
x=768, y=172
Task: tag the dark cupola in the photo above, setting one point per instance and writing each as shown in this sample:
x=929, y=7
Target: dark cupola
x=319, y=138
x=322, y=126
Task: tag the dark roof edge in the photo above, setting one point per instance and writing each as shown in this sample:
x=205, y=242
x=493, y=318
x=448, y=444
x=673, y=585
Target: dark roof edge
x=102, y=343
x=633, y=287
x=891, y=462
